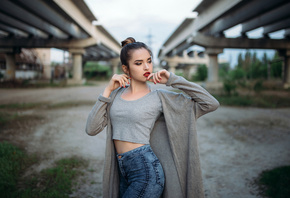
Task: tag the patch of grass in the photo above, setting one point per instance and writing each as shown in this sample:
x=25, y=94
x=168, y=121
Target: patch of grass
x=274, y=183
x=70, y=104
x=7, y=117
x=12, y=163
x=54, y=182
x=26, y=106
x=22, y=106
x=253, y=101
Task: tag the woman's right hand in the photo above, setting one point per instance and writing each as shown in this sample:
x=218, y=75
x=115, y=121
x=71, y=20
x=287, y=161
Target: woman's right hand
x=117, y=80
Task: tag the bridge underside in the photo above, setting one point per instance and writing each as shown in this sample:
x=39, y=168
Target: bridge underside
x=65, y=25
x=216, y=17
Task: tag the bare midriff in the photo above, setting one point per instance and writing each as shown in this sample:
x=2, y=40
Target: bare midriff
x=123, y=147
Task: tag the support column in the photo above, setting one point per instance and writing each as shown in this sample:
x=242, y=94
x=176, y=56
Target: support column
x=114, y=65
x=77, y=66
x=172, y=66
x=189, y=71
x=213, y=69
x=10, y=66
x=213, y=64
x=286, y=77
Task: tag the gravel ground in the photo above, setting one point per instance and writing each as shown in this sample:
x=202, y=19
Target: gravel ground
x=235, y=144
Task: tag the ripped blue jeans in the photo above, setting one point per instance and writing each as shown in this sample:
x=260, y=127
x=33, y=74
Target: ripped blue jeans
x=141, y=174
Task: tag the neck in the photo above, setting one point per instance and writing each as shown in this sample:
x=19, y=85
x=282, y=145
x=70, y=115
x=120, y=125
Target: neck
x=136, y=87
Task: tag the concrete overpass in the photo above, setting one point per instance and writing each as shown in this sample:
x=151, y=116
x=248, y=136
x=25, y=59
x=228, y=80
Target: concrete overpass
x=66, y=25
x=217, y=16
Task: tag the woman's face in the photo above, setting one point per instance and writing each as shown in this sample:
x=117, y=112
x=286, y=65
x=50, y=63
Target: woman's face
x=140, y=64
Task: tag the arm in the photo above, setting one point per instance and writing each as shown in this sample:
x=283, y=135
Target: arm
x=204, y=101
x=98, y=117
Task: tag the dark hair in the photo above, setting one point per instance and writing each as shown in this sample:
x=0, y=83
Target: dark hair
x=129, y=45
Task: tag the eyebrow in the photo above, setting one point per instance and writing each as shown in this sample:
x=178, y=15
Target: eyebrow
x=142, y=60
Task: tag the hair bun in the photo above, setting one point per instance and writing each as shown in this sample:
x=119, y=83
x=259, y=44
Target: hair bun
x=128, y=41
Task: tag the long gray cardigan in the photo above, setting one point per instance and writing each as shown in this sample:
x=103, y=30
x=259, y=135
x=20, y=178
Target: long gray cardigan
x=173, y=138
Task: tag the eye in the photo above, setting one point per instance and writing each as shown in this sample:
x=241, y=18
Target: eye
x=138, y=63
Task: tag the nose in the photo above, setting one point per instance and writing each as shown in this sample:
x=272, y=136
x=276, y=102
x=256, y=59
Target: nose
x=146, y=67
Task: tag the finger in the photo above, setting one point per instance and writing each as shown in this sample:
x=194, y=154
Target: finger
x=159, y=76
x=121, y=82
x=149, y=77
x=125, y=79
x=155, y=80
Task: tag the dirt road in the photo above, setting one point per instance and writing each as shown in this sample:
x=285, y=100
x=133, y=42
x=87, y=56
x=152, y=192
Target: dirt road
x=235, y=144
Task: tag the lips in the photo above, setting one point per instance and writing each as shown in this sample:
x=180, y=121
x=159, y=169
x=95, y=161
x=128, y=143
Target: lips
x=146, y=74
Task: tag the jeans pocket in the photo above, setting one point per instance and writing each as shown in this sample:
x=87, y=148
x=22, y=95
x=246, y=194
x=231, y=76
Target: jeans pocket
x=159, y=173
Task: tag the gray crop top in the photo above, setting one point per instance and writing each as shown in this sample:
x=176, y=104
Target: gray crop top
x=132, y=121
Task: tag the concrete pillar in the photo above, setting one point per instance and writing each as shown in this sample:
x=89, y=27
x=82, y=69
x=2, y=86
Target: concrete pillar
x=213, y=64
x=10, y=66
x=172, y=66
x=189, y=71
x=77, y=66
x=286, y=77
x=114, y=65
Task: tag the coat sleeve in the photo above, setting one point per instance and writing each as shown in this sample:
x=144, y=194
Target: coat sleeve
x=204, y=101
x=98, y=116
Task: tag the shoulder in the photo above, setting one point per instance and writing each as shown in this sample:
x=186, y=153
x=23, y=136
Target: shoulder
x=175, y=96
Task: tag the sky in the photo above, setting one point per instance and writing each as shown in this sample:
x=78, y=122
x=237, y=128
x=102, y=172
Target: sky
x=158, y=18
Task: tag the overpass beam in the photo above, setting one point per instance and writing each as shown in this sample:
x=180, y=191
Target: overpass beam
x=10, y=66
x=77, y=66
x=213, y=64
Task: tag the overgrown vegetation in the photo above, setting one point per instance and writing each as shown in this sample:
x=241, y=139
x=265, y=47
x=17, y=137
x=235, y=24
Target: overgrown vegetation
x=54, y=182
x=274, y=183
x=250, y=73
x=201, y=73
x=261, y=101
x=25, y=106
x=96, y=71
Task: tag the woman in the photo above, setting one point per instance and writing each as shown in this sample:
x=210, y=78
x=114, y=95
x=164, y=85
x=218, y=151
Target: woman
x=138, y=118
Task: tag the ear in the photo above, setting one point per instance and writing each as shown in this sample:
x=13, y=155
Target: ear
x=125, y=69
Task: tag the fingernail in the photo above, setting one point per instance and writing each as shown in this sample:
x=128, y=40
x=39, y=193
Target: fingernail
x=155, y=83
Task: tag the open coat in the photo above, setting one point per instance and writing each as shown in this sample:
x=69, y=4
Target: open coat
x=173, y=138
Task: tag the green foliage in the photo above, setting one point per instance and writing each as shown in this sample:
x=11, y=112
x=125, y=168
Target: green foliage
x=224, y=69
x=229, y=86
x=258, y=86
x=254, y=101
x=255, y=68
x=274, y=183
x=6, y=117
x=94, y=70
x=54, y=182
x=276, y=66
x=201, y=73
x=11, y=164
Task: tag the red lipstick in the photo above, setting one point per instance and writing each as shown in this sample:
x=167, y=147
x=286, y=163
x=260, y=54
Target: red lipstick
x=146, y=74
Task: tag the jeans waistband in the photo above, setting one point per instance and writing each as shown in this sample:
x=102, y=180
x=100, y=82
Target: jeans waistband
x=132, y=153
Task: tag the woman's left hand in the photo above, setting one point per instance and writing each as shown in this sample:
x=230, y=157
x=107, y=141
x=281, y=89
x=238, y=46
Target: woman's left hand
x=161, y=77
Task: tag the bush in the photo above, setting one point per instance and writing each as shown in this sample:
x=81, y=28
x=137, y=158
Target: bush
x=229, y=86
x=201, y=74
x=274, y=183
x=258, y=86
